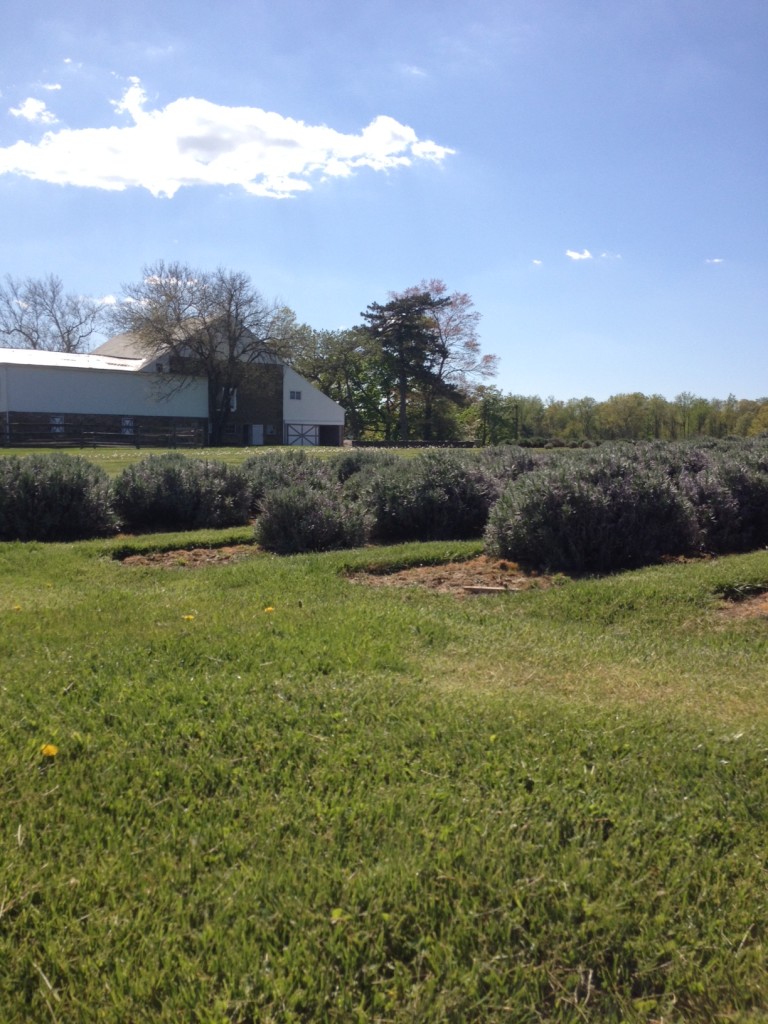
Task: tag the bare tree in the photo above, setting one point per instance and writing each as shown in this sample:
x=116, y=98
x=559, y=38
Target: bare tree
x=212, y=324
x=38, y=314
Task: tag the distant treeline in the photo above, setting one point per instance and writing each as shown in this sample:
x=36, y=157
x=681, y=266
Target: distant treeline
x=493, y=418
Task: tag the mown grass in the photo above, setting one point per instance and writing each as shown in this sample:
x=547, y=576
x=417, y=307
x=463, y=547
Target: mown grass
x=283, y=796
x=115, y=460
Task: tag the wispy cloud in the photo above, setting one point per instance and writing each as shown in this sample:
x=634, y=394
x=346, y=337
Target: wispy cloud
x=585, y=254
x=537, y=263
x=716, y=260
x=51, y=86
x=413, y=71
x=195, y=142
x=35, y=111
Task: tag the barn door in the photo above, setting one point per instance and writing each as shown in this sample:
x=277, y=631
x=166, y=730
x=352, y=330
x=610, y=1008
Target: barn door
x=300, y=434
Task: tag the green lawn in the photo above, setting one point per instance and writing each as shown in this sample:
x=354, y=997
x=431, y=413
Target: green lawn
x=114, y=460
x=283, y=796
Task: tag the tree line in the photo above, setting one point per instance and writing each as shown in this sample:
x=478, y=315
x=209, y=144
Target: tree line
x=411, y=369
x=495, y=418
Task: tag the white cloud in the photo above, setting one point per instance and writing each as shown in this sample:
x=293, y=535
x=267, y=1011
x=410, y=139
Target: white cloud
x=51, y=86
x=610, y=255
x=35, y=111
x=537, y=263
x=194, y=142
x=413, y=71
x=716, y=260
x=584, y=255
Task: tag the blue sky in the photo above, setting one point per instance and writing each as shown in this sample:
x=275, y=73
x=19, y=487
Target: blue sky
x=591, y=172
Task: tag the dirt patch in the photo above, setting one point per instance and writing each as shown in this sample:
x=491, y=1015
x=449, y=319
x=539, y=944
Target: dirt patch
x=191, y=558
x=477, y=576
x=481, y=575
x=746, y=605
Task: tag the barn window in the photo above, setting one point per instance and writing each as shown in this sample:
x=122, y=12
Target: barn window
x=126, y=425
x=296, y=395
x=57, y=424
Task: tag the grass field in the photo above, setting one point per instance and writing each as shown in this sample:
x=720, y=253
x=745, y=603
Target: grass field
x=278, y=795
x=114, y=460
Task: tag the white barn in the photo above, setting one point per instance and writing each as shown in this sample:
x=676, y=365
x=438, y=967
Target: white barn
x=115, y=395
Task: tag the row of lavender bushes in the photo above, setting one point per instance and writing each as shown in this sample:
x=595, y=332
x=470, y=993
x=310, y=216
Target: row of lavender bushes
x=616, y=507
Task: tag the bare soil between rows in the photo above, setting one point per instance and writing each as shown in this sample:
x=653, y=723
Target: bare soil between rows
x=481, y=574
x=475, y=577
x=192, y=558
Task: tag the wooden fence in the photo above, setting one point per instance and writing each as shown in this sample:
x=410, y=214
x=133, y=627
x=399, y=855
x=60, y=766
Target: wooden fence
x=42, y=435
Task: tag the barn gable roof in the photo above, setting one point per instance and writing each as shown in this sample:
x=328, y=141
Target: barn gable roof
x=68, y=360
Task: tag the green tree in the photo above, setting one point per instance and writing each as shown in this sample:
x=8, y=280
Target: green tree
x=530, y=415
x=342, y=365
x=455, y=360
x=497, y=418
x=759, y=424
x=624, y=417
x=660, y=418
x=403, y=331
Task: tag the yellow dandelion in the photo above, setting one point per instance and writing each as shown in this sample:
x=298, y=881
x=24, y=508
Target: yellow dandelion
x=49, y=750
x=16, y=608
x=269, y=608
x=188, y=618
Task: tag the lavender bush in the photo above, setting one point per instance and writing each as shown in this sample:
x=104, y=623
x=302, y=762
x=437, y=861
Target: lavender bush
x=280, y=468
x=305, y=518
x=433, y=496
x=173, y=492
x=745, y=473
x=506, y=462
x=54, y=498
x=593, y=518
x=349, y=463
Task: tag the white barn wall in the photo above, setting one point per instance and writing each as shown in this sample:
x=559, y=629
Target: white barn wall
x=40, y=389
x=313, y=407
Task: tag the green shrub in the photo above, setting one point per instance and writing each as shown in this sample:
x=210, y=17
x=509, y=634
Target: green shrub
x=351, y=461
x=592, y=519
x=173, y=492
x=280, y=468
x=745, y=475
x=305, y=518
x=716, y=510
x=54, y=498
x=434, y=496
x=727, y=483
x=506, y=462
